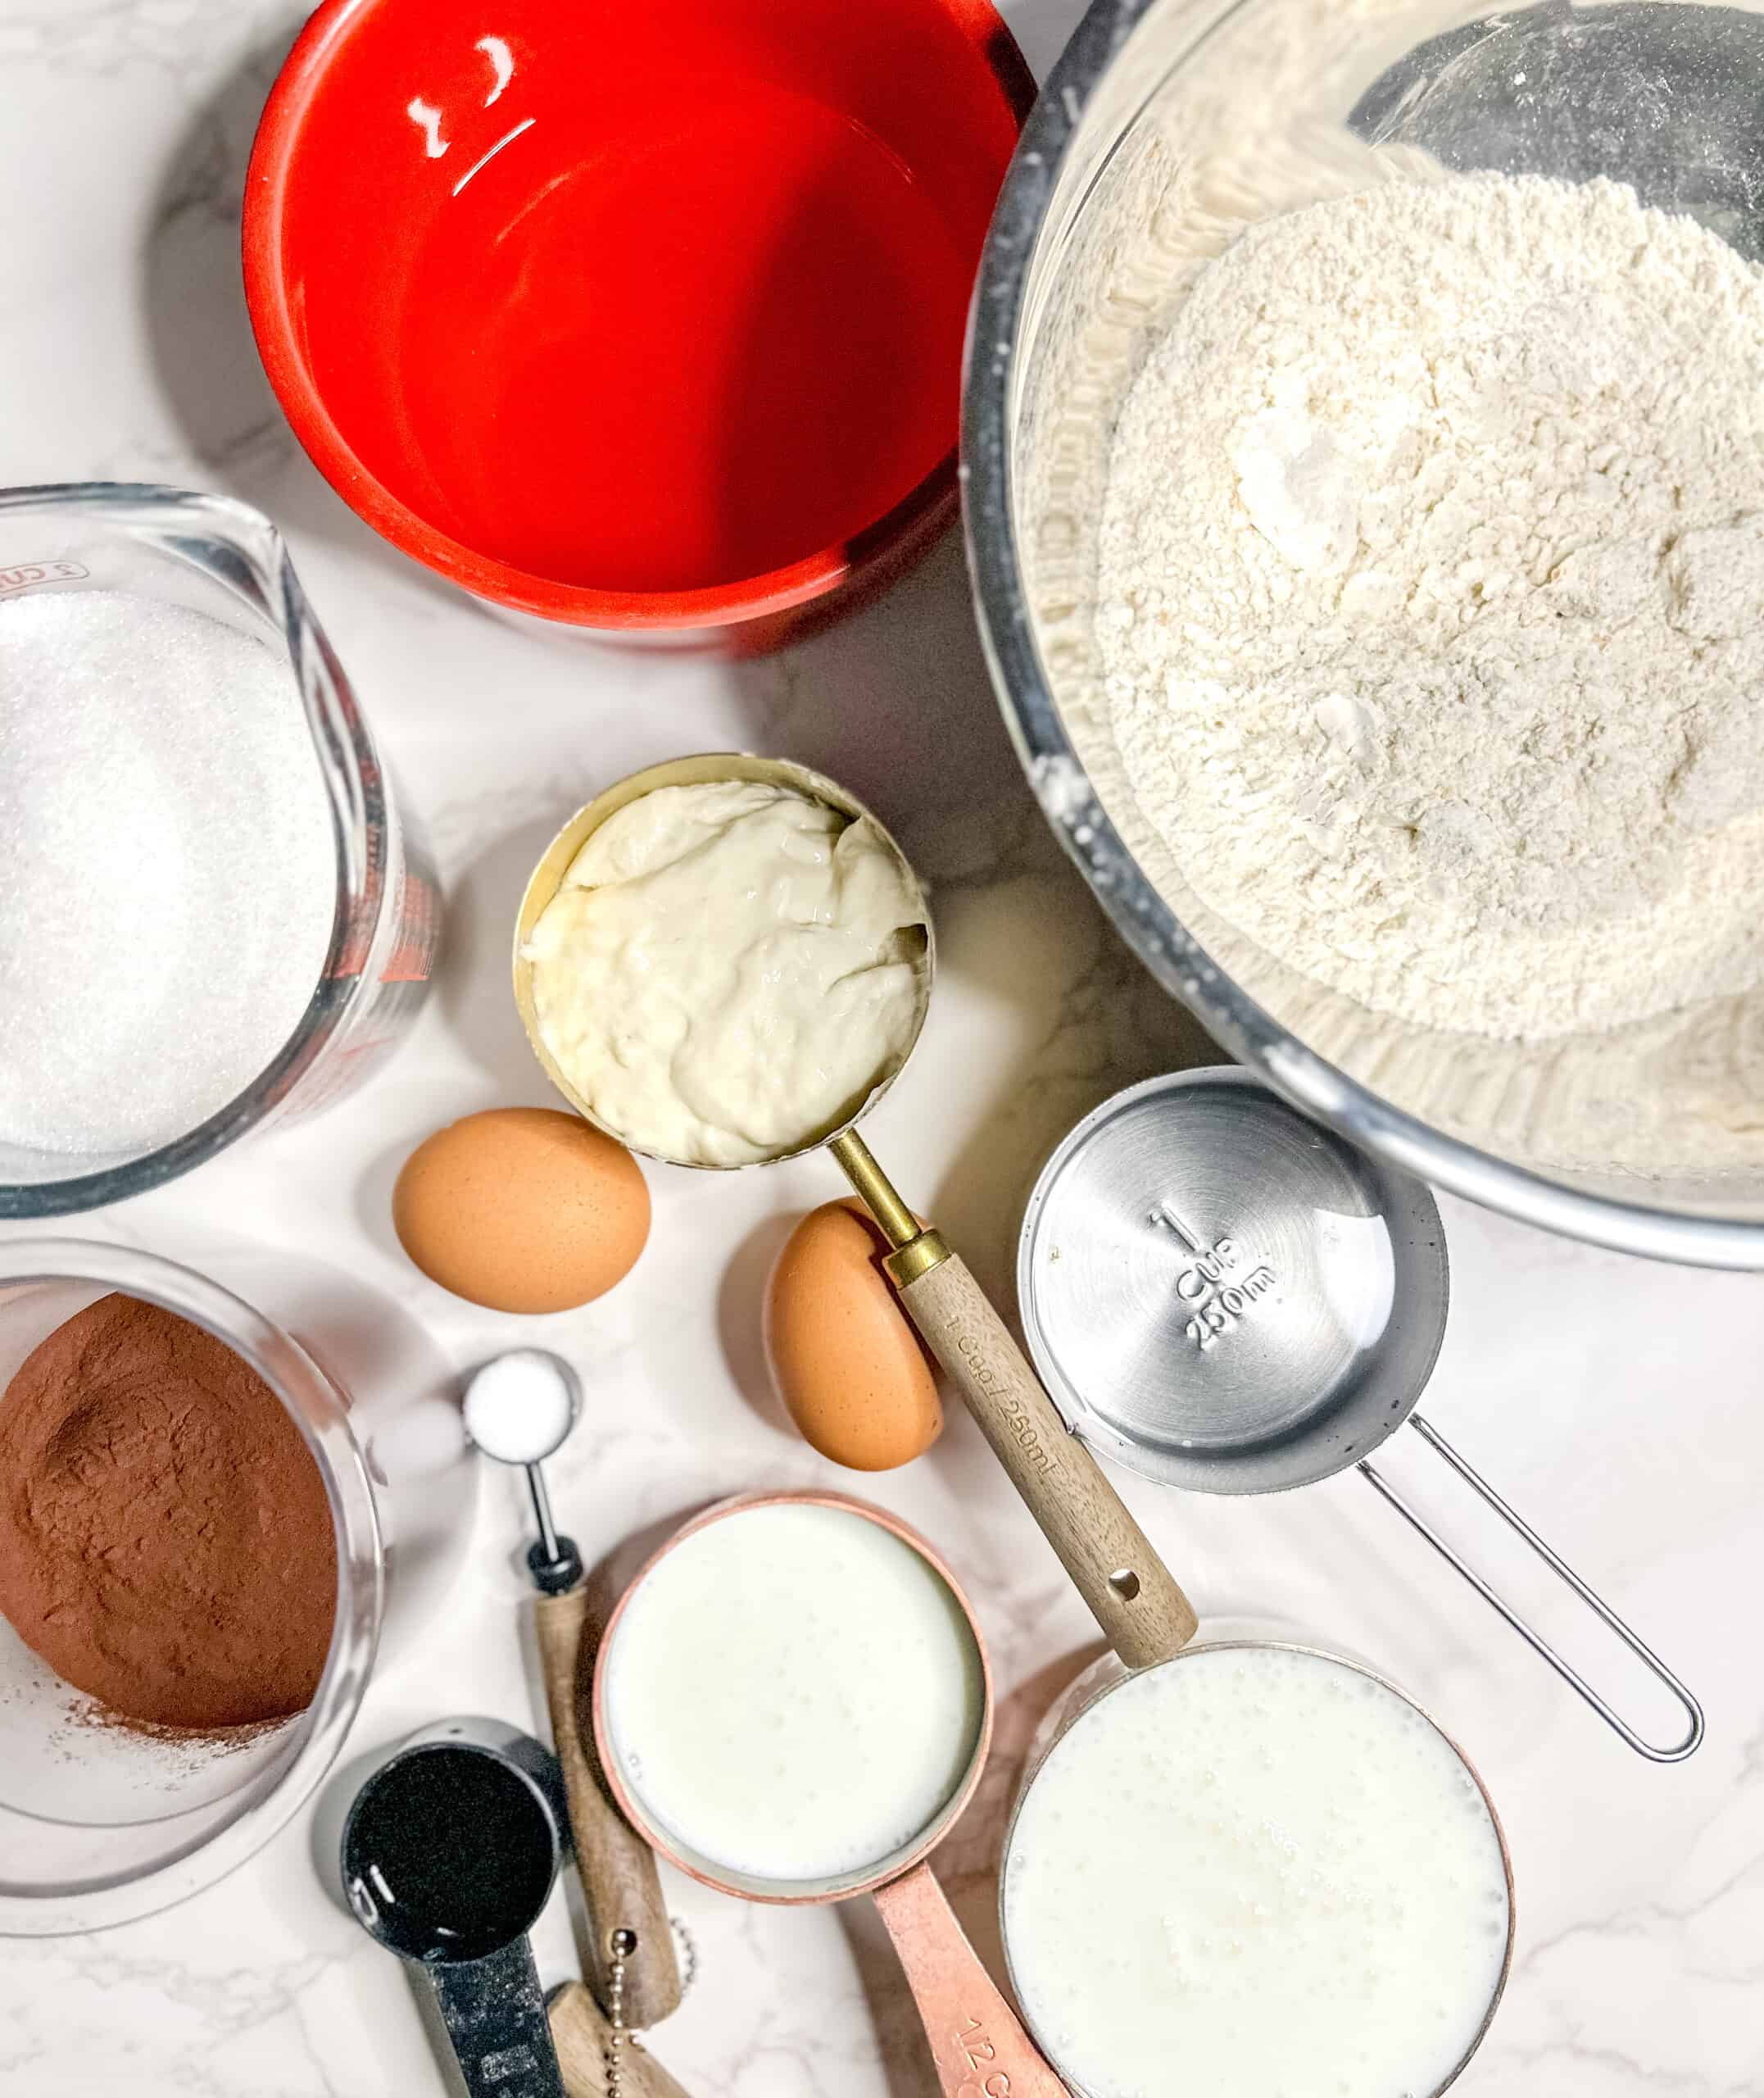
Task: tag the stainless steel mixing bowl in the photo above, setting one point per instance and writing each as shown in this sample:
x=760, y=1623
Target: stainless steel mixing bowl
x=1166, y=124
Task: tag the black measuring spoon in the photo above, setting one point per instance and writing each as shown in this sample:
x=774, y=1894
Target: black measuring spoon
x=449, y=1853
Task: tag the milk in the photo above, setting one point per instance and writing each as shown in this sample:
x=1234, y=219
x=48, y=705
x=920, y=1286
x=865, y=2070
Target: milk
x=793, y=1694
x=1254, y=1873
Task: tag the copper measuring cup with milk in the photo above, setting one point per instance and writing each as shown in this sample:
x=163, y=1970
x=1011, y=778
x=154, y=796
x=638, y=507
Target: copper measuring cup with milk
x=1141, y=1611
x=689, y=1766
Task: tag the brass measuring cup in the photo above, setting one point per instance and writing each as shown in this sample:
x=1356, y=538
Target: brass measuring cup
x=1143, y=1613
x=978, y=2042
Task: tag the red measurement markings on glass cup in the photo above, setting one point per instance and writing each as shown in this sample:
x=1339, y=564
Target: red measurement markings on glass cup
x=29, y=574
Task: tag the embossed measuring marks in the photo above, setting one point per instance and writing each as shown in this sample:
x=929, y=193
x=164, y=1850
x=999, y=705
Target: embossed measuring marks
x=1219, y=1283
x=428, y=118
x=982, y=2080
x=976, y=1352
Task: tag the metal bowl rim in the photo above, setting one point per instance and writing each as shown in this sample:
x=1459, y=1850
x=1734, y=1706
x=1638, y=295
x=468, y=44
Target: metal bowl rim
x=1175, y=958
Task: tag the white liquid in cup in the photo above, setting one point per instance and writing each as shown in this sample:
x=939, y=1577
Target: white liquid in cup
x=1256, y=1874
x=793, y=1694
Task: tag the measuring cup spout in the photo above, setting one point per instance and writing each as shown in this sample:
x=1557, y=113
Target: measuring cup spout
x=978, y=2042
x=1655, y=1753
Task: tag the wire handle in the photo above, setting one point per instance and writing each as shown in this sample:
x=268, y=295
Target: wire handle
x=1558, y=1566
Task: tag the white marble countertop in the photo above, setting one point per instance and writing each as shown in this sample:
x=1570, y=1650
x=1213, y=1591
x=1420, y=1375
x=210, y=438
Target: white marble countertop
x=1618, y=1403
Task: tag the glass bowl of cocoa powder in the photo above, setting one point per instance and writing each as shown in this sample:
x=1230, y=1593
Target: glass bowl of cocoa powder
x=192, y=1581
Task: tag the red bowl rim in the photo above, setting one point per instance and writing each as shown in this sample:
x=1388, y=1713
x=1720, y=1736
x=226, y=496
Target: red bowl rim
x=780, y=589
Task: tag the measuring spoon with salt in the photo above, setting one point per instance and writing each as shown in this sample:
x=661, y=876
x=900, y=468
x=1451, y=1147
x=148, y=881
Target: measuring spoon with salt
x=520, y=1410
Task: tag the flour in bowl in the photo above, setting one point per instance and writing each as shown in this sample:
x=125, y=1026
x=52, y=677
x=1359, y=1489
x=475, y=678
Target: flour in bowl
x=1432, y=601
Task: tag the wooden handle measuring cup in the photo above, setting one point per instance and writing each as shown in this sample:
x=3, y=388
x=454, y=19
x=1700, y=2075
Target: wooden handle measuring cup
x=617, y=1866
x=584, y=2043
x=1132, y=1593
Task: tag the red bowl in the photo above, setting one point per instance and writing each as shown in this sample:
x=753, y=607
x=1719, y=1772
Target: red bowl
x=644, y=319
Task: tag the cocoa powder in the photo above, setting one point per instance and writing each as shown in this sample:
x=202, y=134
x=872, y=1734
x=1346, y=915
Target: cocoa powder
x=166, y=1540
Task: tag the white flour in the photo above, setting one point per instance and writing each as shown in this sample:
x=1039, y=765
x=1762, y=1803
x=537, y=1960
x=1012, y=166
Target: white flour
x=1432, y=600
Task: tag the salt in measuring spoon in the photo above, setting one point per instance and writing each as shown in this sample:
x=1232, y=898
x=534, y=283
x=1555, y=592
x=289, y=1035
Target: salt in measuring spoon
x=519, y=1409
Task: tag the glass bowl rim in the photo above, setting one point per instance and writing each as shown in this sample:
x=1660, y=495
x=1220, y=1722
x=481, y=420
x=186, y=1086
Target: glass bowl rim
x=272, y=1798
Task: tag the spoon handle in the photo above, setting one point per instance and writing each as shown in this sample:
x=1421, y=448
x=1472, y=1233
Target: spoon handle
x=977, y=2041
x=494, y=2011
x=617, y=1866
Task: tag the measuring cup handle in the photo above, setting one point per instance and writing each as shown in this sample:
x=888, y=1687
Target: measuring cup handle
x=583, y=2040
x=616, y=1866
x=1563, y=1572
x=494, y=2011
x=978, y=2042
x=1132, y=1593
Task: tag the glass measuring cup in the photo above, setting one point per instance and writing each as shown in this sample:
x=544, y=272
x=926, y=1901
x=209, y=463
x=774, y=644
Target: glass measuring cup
x=1082, y=2049
x=1228, y=1297
x=977, y=2041
x=1130, y=1592
x=211, y=555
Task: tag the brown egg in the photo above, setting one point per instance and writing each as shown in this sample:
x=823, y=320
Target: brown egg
x=852, y=1373
x=522, y=1209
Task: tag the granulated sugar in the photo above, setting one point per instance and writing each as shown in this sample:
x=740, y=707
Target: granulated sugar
x=168, y=879
x=1432, y=601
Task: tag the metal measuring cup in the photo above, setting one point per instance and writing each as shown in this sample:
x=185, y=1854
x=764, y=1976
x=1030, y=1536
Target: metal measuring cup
x=1143, y=1613
x=1227, y=1297
x=455, y=1895
x=977, y=2041
x=1106, y=1676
